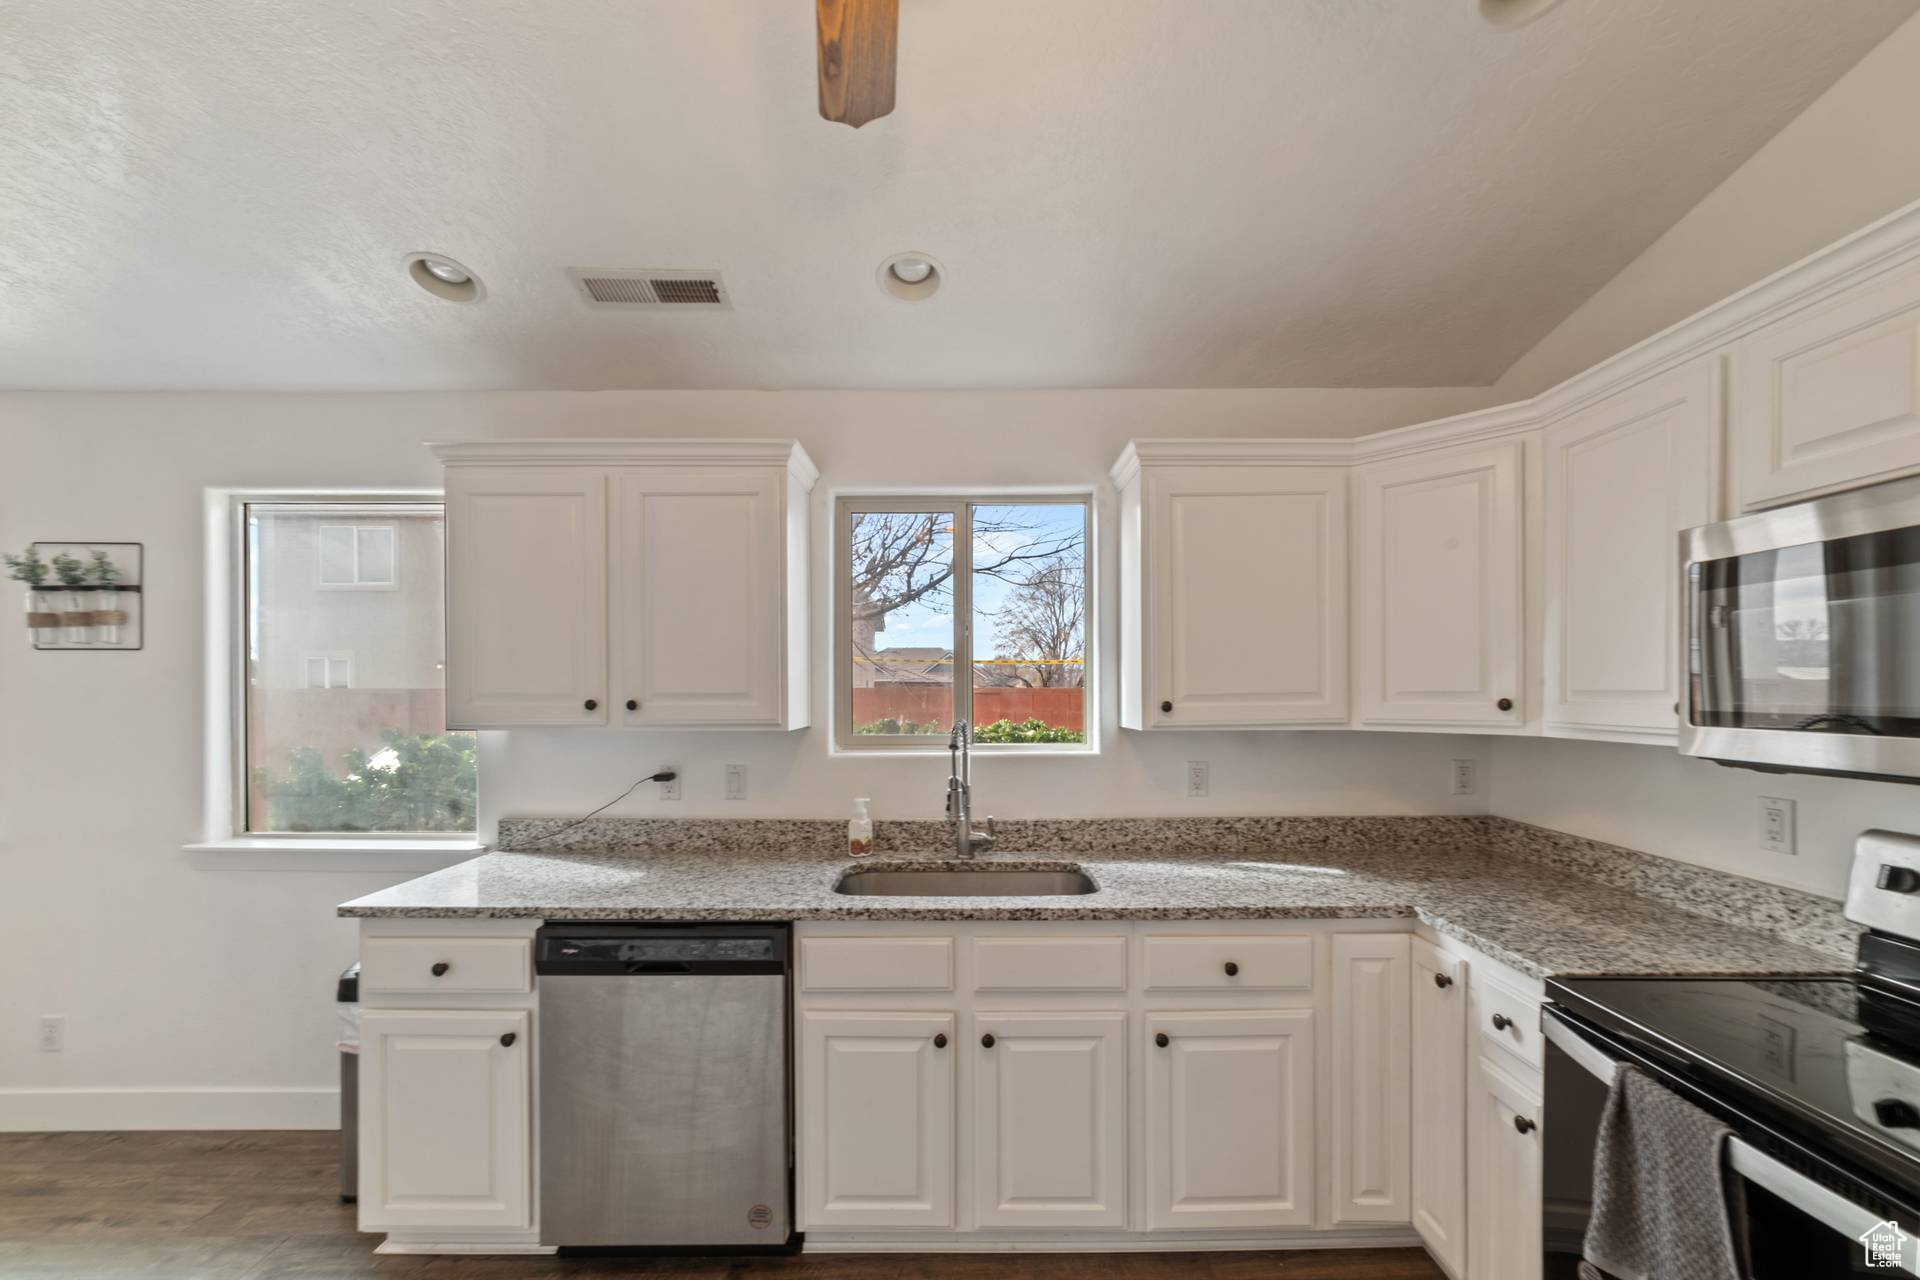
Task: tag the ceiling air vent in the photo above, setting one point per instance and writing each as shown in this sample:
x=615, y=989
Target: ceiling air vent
x=652, y=289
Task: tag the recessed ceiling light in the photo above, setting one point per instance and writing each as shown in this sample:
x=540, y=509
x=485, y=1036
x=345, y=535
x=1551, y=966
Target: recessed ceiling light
x=444, y=278
x=1514, y=13
x=910, y=277
x=911, y=270
x=441, y=269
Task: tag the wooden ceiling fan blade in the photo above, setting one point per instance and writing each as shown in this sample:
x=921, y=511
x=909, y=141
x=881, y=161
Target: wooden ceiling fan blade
x=856, y=46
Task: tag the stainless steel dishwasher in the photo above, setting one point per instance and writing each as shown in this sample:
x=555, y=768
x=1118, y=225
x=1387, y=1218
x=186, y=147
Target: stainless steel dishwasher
x=664, y=1087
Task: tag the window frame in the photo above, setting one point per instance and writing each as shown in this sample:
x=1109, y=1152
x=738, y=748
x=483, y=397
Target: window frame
x=326, y=658
x=960, y=504
x=225, y=842
x=359, y=583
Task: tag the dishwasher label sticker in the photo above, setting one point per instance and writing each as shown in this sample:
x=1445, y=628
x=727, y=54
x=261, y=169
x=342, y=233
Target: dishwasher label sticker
x=760, y=1217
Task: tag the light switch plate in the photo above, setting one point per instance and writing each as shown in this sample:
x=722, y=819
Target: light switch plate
x=1777, y=825
x=736, y=782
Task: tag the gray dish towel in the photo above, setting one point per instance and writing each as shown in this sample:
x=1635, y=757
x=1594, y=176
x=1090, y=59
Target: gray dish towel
x=1664, y=1207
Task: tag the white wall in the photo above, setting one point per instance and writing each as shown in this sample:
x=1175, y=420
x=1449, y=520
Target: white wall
x=1850, y=158
x=1652, y=799
x=198, y=994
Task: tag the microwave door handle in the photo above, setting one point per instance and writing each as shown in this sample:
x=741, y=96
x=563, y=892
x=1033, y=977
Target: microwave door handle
x=1817, y=1202
x=1824, y=1206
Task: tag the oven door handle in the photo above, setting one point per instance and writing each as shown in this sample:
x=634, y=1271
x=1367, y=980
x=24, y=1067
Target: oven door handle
x=1829, y=1208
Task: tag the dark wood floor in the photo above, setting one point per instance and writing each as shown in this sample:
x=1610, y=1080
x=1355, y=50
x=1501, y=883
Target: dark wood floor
x=215, y=1206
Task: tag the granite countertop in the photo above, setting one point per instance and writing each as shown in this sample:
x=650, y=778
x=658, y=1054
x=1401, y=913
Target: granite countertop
x=1521, y=910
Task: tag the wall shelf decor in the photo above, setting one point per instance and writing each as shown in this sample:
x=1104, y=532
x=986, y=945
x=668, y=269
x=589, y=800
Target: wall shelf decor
x=82, y=595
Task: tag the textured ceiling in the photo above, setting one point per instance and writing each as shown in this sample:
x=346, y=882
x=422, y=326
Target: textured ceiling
x=220, y=193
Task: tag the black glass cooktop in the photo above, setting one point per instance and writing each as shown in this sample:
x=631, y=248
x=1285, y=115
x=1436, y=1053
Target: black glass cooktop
x=1832, y=1056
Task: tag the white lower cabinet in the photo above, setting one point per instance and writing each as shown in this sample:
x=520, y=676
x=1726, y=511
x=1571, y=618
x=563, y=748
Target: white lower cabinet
x=1503, y=1174
x=877, y=1119
x=1062, y=1085
x=1050, y=1119
x=1229, y=1119
x=1371, y=1141
x=446, y=1119
x=1439, y=1105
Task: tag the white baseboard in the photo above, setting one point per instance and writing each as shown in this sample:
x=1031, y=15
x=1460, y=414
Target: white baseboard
x=462, y=1248
x=1384, y=1237
x=59, y=1110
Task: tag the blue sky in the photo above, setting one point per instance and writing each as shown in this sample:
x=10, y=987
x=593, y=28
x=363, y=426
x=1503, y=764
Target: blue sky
x=918, y=625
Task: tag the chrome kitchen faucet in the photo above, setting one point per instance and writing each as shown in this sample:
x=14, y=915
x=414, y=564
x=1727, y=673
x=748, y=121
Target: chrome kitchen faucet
x=966, y=840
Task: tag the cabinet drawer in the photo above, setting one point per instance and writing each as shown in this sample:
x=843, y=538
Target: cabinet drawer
x=1050, y=964
x=1506, y=1018
x=876, y=964
x=446, y=964
x=1256, y=964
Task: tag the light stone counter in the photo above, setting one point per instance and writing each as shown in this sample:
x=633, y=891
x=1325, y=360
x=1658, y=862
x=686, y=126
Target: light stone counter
x=1540, y=901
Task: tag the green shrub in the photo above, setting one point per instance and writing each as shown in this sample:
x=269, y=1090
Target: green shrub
x=891, y=724
x=430, y=787
x=1032, y=729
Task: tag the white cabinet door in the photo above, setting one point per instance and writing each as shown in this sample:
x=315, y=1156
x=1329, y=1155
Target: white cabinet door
x=526, y=596
x=1503, y=1241
x=1439, y=1096
x=876, y=1120
x=1830, y=396
x=445, y=1120
x=1229, y=1113
x=699, y=605
x=1246, y=599
x=1623, y=478
x=1438, y=585
x=1050, y=1119
x=1371, y=1152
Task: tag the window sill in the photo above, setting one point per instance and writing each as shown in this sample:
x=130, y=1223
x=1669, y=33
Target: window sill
x=330, y=853
x=1005, y=751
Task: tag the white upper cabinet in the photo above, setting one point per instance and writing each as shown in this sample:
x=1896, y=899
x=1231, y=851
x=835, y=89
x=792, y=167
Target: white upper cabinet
x=1233, y=590
x=1829, y=396
x=699, y=595
x=1437, y=608
x=656, y=583
x=526, y=596
x=1623, y=477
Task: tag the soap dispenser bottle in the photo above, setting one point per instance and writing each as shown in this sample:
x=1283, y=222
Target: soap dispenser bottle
x=860, y=830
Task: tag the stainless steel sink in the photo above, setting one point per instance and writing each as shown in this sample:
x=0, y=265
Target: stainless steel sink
x=987, y=882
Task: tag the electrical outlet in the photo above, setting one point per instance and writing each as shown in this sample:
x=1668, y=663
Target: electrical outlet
x=736, y=782
x=1196, y=777
x=1776, y=825
x=1463, y=777
x=671, y=790
x=53, y=1032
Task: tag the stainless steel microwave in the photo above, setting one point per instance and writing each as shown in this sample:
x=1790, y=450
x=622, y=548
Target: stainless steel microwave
x=1802, y=649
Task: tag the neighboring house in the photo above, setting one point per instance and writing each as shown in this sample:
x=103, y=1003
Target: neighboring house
x=339, y=646
x=926, y=664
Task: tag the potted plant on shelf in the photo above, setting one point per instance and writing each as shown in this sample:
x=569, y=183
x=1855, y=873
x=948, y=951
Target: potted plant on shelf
x=108, y=617
x=42, y=617
x=72, y=572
